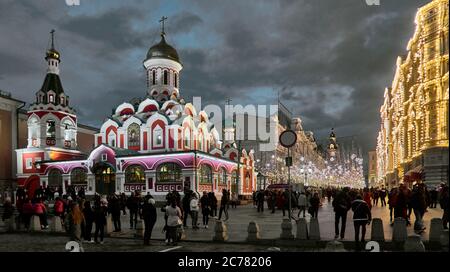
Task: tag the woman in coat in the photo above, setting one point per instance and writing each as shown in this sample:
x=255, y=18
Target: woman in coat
x=74, y=221
x=174, y=221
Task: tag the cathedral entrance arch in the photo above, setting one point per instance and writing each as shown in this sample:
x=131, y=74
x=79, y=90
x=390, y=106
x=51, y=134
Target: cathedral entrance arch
x=105, y=178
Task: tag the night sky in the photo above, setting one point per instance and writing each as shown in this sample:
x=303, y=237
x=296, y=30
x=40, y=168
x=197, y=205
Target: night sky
x=330, y=60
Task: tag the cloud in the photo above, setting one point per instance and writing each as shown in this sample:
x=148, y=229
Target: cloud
x=330, y=60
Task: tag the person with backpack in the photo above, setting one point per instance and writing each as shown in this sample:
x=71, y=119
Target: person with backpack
x=341, y=205
x=314, y=205
x=41, y=211
x=361, y=217
x=173, y=213
x=132, y=204
x=74, y=221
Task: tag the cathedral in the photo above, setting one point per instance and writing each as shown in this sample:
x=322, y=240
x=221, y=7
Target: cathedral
x=155, y=145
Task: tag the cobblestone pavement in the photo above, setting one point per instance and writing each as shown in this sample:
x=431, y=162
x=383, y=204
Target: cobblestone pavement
x=239, y=218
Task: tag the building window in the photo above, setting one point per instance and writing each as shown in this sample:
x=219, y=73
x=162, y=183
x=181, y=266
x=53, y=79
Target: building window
x=54, y=178
x=205, y=174
x=175, y=80
x=134, y=136
x=168, y=172
x=50, y=98
x=222, y=176
x=62, y=101
x=51, y=130
x=78, y=176
x=29, y=163
x=153, y=77
x=104, y=157
x=135, y=174
x=166, y=77
x=157, y=136
x=36, y=160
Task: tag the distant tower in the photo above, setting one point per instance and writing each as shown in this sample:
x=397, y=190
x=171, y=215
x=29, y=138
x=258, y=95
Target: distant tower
x=51, y=122
x=332, y=149
x=163, y=67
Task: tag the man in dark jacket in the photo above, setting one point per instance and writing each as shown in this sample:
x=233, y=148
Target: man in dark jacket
x=341, y=205
x=418, y=203
x=223, y=204
x=186, y=207
x=361, y=217
x=133, y=205
x=260, y=200
x=148, y=212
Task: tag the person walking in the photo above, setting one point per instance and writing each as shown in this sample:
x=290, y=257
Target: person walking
x=89, y=218
x=418, y=204
x=301, y=203
x=234, y=200
x=361, y=217
x=285, y=201
x=273, y=200
x=314, y=205
x=74, y=221
x=204, y=203
x=148, y=213
x=27, y=213
x=392, y=201
x=186, y=207
x=223, y=204
x=260, y=200
x=194, y=211
x=133, y=206
x=382, y=195
x=100, y=213
x=433, y=198
x=341, y=205
x=174, y=222
x=8, y=209
x=444, y=205
x=40, y=210
x=115, y=212
x=401, y=205
x=213, y=204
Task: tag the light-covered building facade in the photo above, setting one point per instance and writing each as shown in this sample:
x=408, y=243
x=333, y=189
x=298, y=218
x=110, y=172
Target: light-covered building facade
x=155, y=144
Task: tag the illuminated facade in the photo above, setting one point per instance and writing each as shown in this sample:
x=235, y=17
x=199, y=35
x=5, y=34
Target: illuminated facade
x=412, y=144
x=155, y=144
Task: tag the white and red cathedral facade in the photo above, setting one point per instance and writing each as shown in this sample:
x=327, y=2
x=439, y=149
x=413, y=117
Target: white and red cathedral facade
x=156, y=144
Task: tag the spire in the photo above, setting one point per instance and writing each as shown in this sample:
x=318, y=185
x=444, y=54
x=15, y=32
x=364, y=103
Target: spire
x=52, y=53
x=53, y=38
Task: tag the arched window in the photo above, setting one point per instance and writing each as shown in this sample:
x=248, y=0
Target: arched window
x=54, y=178
x=51, y=130
x=166, y=77
x=222, y=176
x=134, y=136
x=234, y=177
x=78, y=176
x=135, y=174
x=157, y=137
x=175, y=80
x=205, y=174
x=153, y=77
x=168, y=172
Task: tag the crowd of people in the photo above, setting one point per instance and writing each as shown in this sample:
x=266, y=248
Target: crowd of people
x=402, y=202
x=78, y=214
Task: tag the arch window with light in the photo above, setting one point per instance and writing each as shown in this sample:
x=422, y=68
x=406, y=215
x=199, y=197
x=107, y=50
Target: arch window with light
x=69, y=132
x=134, y=139
x=135, y=174
x=33, y=131
x=153, y=77
x=78, y=176
x=175, y=80
x=158, y=137
x=206, y=174
x=168, y=172
x=51, y=132
x=54, y=178
x=112, y=139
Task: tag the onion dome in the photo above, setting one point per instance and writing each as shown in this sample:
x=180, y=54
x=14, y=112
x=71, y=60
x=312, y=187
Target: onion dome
x=162, y=50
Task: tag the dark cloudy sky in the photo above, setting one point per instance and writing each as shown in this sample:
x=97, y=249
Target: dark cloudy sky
x=330, y=60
